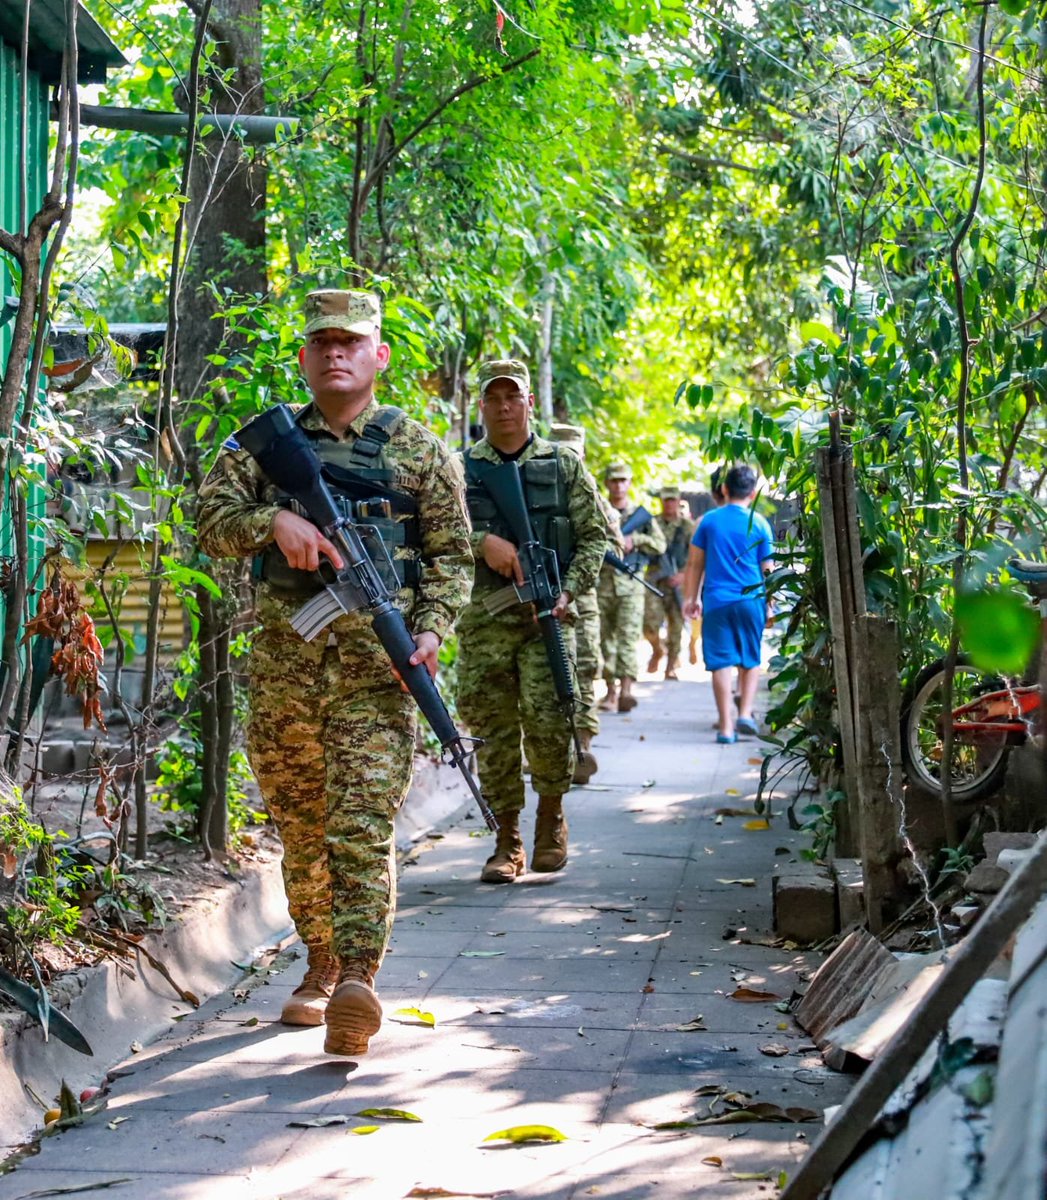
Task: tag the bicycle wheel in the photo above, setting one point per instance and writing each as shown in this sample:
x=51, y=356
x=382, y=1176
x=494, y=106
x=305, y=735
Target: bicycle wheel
x=977, y=771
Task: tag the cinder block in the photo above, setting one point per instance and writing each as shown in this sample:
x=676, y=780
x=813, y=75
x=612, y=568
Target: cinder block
x=58, y=758
x=804, y=905
x=986, y=877
x=995, y=842
x=850, y=891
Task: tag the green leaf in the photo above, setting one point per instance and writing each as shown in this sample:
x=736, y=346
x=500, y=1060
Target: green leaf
x=999, y=631
x=527, y=1133
x=364, y=1129
x=818, y=331
x=425, y=1018
x=1013, y=8
x=389, y=1114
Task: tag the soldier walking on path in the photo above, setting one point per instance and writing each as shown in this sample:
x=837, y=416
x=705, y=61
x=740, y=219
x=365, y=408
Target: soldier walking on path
x=331, y=731
x=667, y=575
x=621, y=598
x=587, y=630
x=505, y=682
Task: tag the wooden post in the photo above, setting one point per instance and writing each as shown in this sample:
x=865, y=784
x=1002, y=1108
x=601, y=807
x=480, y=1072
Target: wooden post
x=838, y=577
x=879, y=764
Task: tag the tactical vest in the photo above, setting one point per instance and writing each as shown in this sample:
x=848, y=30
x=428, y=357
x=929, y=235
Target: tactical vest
x=679, y=545
x=351, y=469
x=545, y=490
x=637, y=560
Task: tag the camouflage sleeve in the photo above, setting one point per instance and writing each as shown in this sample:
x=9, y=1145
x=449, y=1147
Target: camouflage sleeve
x=232, y=521
x=447, y=560
x=614, y=524
x=589, y=525
x=651, y=540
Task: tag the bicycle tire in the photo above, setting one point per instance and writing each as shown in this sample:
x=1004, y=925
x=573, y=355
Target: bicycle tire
x=978, y=771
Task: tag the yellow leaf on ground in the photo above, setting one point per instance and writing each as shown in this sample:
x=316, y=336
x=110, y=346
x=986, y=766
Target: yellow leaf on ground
x=423, y=1018
x=761, y=823
x=364, y=1129
x=527, y=1133
x=390, y=1114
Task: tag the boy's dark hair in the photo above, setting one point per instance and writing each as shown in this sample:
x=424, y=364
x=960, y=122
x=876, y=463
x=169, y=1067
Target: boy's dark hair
x=740, y=482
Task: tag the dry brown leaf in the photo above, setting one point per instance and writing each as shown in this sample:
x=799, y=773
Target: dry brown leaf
x=752, y=995
x=695, y=1025
x=740, y=882
x=775, y=1049
x=713, y=1160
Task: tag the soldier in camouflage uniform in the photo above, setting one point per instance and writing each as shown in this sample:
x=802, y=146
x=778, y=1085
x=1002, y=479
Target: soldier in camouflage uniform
x=587, y=630
x=505, y=683
x=621, y=598
x=331, y=732
x=667, y=575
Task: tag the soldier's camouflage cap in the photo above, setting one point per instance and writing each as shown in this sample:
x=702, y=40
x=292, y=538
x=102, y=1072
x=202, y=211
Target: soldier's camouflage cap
x=570, y=435
x=504, y=368
x=669, y=493
x=617, y=470
x=356, y=312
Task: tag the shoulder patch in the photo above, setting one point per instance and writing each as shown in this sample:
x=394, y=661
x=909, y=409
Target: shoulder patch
x=230, y=443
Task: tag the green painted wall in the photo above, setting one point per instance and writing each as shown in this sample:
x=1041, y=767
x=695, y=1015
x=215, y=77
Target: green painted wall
x=32, y=132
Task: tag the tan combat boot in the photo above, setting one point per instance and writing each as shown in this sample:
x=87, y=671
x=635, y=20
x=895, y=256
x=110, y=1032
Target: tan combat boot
x=656, y=655
x=627, y=701
x=610, y=702
x=586, y=766
x=354, y=1014
x=672, y=667
x=550, y=835
x=309, y=999
x=508, y=859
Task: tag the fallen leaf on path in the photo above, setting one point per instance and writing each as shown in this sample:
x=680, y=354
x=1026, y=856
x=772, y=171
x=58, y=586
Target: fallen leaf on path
x=731, y=792
x=609, y=907
x=438, y=1193
x=527, y=1133
x=251, y=1021
x=323, y=1122
x=713, y=1160
x=649, y=783
x=665, y=1126
x=752, y=995
x=695, y=1025
x=480, y=953
x=719, y=818
x=739, y=882
x=417, y=1016
x=389, y=1114
x=759, y=823
x=364, y=1129
x=775, y=1049
x=478, y=833
x=116, y=1122
x=750, y=1176
x=734, y=812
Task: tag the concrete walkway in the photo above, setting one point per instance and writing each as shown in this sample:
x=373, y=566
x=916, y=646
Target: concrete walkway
x=556, y=1001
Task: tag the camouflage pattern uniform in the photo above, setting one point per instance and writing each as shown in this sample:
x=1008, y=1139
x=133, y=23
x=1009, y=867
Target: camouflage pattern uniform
x=589, y=665
x=678, y=536
x=505, y=685
x=331, y=732
x=621, y=604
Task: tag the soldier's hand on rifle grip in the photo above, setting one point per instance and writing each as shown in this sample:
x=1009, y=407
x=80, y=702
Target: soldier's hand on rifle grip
x=302, y=543
x=560, y=607
x=628, y=542
x=501, y=557
x=428, y=649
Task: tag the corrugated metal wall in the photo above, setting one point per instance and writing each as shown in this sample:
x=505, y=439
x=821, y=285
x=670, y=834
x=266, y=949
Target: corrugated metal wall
x=18, y=130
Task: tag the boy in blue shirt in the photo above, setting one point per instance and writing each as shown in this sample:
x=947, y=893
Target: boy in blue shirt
x=730, y=553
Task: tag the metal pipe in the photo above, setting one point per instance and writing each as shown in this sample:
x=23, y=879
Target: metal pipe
x=255, y=130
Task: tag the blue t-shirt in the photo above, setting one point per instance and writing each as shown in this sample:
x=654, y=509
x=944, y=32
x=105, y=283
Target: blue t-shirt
x=736, y=541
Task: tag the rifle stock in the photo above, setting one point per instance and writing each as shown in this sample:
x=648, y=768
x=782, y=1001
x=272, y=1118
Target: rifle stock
x=286, y=456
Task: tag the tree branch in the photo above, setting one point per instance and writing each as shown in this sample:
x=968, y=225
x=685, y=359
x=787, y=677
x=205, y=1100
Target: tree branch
x=470, y=84
x=700, y=160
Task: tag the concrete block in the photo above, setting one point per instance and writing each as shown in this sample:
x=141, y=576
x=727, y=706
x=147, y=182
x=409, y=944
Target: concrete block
x=804, y=905
x=58, y=758
x=850, y=891
x=986, y=877
x=995, y=842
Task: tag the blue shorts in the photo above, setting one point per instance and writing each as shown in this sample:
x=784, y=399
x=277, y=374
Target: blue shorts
x=732, y=635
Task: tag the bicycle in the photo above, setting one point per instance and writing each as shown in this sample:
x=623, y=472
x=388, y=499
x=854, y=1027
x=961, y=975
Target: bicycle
x=990, y=715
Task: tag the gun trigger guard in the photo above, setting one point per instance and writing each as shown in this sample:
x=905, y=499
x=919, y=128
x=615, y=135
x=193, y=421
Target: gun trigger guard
x=469, y=745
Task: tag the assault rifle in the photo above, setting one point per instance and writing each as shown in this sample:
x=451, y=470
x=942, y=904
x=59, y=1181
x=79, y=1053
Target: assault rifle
x=620, y=565
x=634, y=521
x=285, y=454
x=541, y=585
